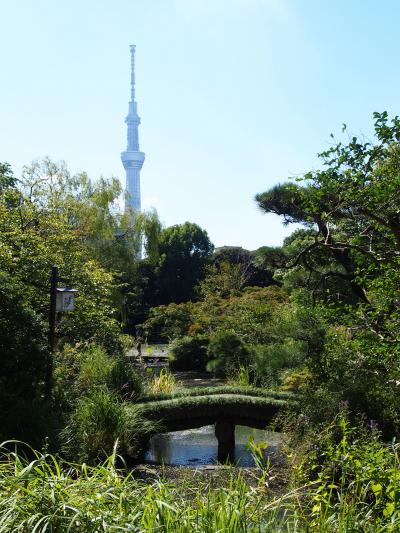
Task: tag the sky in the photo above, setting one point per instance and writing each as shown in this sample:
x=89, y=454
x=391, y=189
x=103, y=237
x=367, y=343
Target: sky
x=235, y=96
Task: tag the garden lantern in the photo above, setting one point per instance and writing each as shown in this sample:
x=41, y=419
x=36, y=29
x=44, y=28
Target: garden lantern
x=61, y=299
x=65, y=299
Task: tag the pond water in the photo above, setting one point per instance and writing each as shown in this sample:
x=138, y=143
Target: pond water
x=198, y=447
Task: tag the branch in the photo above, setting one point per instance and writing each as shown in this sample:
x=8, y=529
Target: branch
x=343, y=245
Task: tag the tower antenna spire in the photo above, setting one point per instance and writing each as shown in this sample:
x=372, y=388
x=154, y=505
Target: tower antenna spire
x=132, y=158
x=133, y=49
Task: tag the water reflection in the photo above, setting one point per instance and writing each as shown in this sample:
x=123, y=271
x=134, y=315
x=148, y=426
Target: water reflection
x=200, y=447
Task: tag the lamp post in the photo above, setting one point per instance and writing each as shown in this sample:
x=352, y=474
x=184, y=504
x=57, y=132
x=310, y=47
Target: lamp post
x=61, y=299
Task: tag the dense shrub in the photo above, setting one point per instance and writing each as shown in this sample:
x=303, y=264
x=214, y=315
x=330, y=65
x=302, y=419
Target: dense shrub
x=94, y=426
x=296, y=380
x=23, y=343
x=227, y=353
x=349, y=466
x=84, y=368
x=189, y=353
x=271, y=360
x=90, y=387
x=26, y=419
x=23, y=354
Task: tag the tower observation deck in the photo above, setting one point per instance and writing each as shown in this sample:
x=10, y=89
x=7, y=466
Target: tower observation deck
x=132, y=158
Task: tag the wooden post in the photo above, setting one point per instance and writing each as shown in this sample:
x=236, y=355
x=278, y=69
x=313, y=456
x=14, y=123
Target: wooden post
x=52, y=332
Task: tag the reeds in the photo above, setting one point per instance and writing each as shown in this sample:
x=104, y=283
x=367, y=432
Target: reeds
x=39, y=493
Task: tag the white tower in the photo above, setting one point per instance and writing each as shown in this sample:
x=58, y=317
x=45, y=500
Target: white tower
x=133, y=158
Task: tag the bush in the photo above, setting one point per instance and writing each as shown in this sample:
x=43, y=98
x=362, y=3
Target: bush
x=83, y=368
x=189, y=353
x=23, y=342
x=26, y=419
x=271, y=360
x=227, y=353
x=95, y=369
x=168, y=322
x=350, y=466
x=94, y=426
x=296, y=380
x=124, y=379
x=98, y=421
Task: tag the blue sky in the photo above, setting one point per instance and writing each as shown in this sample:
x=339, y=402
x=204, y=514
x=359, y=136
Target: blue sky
x=234, y=95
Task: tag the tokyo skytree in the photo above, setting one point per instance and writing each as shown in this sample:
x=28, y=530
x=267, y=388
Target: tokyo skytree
x=132, y=158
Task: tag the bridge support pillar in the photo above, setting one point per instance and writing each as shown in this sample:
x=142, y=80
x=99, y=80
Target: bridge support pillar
x=225, y=433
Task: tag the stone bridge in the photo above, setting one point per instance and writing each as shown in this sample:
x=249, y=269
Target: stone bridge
x=225, y=407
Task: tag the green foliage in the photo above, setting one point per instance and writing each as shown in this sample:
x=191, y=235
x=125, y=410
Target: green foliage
x=227, y=353
x=240, y=378
x=189, y=353
x=364, y=373
x=270, y=360
x=351, y=467
x=346, y=263
x=168, y=322
x=124, y=379
x=184, y=252
x=296, y=380
x=46, y=494
x=257, y=451
x=164, y=383
x=253, y=273
x=43, y=223
x=28, y=419
x=23, y=342
x=342, y=202
x=94, y=426
x=249, y=313
x=98, y=422
x=90, y=387
x=81, y=370
x=220, y=389
x=140, y=294
x=7, y=179
x=296, y=338
x=223, y=280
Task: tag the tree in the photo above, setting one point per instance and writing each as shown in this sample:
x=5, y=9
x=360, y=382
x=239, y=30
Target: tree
x=110, y=237
x=7, y=178
x=184, y=251
x=253, y=273
x=352, y=206
x=349, y=256
x=39, y=227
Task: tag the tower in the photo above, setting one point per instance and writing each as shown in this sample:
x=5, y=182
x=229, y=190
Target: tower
x=133, y=158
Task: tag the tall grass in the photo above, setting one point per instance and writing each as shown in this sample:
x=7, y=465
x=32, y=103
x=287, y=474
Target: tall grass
x=98, y=421
x=43, y=494
x=240, y=378
x=165, y=383
x=82, y=369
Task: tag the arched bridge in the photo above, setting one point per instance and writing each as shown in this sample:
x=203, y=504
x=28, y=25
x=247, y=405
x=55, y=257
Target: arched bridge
x=224, y=406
